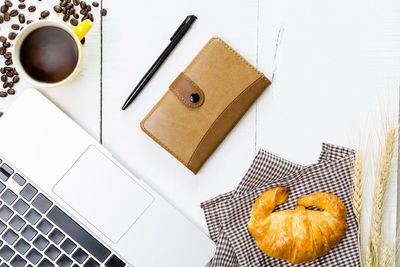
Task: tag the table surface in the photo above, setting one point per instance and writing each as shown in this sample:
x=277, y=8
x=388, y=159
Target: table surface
x=332, y=66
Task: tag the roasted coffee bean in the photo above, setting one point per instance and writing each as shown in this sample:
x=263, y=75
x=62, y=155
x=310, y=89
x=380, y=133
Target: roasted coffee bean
x=3, y=94
x=21, y=6
x=8, y=3
x=6, y=44
x=9, y=68
x=11, y=91
x=103, y=12
x=3, y=50
x=76, y=16
x=91, y=17
x=1, y=114
x=10, y=74
x=12, y=35
x=76, y=2
x=32, y=9
x=22, y=1
x=95, y=4
x=84, y=18
x=16, y=79
x=70, y=5
x=8, y=55
x=10, y=84
x=8, y=62
x=4, y=78
x=66, y=17
x=4, y=86
x=7, y=16
x=83, y=4
x=15, y=27
x=63, y=3
x=83, y=41
x=89, y=8
x=2, y=70
x=3, y=39
x=1, y=19
x=14, y=13
x=74, y=22
x=21, y=18
x=83, y=12
x=58, y=9
x=45, y=14
x=29, y=21
x=4, y=9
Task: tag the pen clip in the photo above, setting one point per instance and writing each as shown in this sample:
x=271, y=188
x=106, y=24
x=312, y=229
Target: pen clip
x=187, y=19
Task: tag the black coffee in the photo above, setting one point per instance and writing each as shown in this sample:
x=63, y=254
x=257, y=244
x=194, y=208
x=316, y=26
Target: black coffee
x=49, y=54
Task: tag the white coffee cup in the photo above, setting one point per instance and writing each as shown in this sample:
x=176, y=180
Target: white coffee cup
x=77, y=34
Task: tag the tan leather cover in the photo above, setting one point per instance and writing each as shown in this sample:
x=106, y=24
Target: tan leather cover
x=226, y=85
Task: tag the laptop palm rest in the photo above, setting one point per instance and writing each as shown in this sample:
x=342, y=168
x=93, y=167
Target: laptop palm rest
x=102, y=193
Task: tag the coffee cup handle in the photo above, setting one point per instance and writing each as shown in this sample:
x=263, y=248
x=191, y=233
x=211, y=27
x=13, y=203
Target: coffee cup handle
x=83, y=28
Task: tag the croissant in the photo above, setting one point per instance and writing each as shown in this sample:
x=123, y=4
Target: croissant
x=299, y=235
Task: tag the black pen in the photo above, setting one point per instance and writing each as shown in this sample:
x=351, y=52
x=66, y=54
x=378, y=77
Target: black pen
x=180, y=32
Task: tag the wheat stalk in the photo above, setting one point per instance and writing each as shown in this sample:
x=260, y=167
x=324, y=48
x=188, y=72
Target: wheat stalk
x=372, y=257
x=357, y=198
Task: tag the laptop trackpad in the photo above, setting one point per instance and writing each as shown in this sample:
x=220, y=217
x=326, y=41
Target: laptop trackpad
x=103, y=193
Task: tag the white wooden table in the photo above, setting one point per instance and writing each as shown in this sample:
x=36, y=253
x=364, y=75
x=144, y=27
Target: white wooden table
x=329, y=62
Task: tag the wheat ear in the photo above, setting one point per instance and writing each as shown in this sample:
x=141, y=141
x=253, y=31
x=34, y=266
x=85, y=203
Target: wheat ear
x=378, y=198
x=357, y=196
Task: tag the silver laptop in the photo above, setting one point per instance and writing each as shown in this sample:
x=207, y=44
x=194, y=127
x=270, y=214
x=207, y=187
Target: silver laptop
x=66, y=202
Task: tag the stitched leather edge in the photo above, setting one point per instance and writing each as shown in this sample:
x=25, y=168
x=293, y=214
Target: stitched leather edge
x=186, y=164
x=155, y=138
x=213, y=125
x=217, y=39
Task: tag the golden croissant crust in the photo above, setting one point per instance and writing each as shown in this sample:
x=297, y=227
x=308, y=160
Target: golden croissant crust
x=299, y=235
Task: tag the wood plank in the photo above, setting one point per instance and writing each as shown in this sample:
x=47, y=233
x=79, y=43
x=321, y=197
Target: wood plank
x=335, y=68
x=80, y=98
x=134, y=36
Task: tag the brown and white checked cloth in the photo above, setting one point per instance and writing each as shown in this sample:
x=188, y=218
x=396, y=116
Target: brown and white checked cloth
x=227, y=215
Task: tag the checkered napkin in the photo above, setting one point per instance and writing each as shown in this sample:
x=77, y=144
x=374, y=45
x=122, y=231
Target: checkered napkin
x=227, y=215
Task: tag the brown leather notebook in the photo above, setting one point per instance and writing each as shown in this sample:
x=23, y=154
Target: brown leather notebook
x=204, y=103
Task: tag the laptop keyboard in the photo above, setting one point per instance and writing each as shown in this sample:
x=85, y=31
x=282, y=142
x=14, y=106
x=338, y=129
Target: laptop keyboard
x=36, y=232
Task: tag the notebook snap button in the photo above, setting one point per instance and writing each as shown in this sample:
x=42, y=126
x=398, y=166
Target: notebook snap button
x=194, y=98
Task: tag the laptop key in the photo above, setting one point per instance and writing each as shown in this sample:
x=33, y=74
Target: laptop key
x=6, y=253
x=32, y=216
x=29, y=232
x=44, y=226
x=10, y=236
x=18, y=261
x=42, y=203
x=33, y=256
x=45, y=263
x=68, y=246
x=64, y=261
x=17, y=223
x=28, y=192
x=20, y=206
x=78, y=234
x=19, y=179
x=2, y=227
x=114, y=261
x=56, y=236
x=2, y=186
x=9, y=196
x=91, y=263
x=40, y=242
x=52, y=252
x=79, y=255
x=22, y=246
x=5, y=213
x=5, y=172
